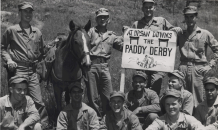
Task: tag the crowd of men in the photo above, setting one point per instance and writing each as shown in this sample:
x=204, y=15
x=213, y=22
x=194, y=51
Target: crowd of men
x=190, y=101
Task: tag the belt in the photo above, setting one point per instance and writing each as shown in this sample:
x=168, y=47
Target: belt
x=98, y=60
x=26, y=64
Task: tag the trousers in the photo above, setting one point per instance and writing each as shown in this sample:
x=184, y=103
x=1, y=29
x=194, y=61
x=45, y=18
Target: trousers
x=194, y=80
x=99, y=84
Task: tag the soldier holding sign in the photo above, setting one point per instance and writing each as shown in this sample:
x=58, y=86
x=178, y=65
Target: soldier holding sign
x=193, y=45
x=153, y=23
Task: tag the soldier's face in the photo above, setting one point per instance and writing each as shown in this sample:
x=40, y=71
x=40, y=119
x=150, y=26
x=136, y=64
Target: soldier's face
x=26, y=14
x=211, y=91
x=102, y=20
x=138, y=83
x=172, y=106
x=174, y=83
x=76, y=94
x=190, y=19
x=148, y=9
x=18, y=91
x=116, y=104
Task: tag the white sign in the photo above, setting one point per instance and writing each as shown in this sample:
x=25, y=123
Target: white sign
x=149, y=50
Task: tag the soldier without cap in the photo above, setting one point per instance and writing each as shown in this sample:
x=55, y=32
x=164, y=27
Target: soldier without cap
x=154, y=24
x=18, y=111
x=177, y=82
x=143, y=101
x=193, y=44
x=77, y=115
x=25, y=45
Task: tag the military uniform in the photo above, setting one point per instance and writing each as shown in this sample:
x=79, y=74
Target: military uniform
x=99, y=75
x=184, y=122
x=205, y=114
x=85, y=119
x=155, y=24
x=25, y=50
x=149, y=104
x=193, y=50
x=12, y=118
x=129, y=121
x=187, y=103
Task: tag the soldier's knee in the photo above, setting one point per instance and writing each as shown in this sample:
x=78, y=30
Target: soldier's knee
x=37, y=126
x=152, y=116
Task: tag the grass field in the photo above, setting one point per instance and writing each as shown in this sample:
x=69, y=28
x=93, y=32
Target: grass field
x=53, y=16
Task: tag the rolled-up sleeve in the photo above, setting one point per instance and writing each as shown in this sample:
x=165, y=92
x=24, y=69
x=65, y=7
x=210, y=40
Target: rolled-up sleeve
x=118, y=43
x=32, y=113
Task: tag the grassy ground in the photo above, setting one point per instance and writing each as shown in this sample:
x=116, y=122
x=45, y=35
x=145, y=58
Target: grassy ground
x=52, y=17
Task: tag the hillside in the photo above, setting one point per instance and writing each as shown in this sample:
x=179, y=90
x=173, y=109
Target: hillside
x=53, y=16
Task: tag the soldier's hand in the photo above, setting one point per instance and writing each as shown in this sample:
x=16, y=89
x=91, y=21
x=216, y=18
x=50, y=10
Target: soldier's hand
x=137, y=110
x=177, y=30
x=204, y=69
x=21, y=127
x=11, y=65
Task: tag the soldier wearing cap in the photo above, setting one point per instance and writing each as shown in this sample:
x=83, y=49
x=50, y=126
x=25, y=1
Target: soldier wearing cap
x=21, y=46
x=102, y=41
x=77, y=115
x=177, y=82
x=17, y=110
x=154, y=24
x=143, y=101
x=207, y=111
x=174, y=119
x=120, y=118
x=193, y=44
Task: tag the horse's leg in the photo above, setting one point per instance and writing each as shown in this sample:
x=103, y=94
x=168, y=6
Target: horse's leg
x=58, y=96
x=67, y=96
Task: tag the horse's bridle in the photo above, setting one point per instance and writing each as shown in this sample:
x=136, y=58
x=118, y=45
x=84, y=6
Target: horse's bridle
x=73, y=52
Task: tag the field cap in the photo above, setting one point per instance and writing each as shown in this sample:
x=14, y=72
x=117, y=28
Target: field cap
x=178, y=74
x=212, y=80
x=25, y=5
x=190, y=10
x=18, y=79
x=75, y=85
x=117, y=94
x=151, y=1
x=173, y=93
x=102, y=11
x=141, y=74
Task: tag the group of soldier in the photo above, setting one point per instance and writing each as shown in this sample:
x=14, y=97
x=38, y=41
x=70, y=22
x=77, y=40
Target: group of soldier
x=189, y=102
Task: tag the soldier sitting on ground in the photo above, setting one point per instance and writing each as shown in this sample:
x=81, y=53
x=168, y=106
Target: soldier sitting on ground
x=18, y=111
x=207, y=111
x=119, y=118
x=77, y=115
x=143, y=101
x=177, y=82
x=174, y=119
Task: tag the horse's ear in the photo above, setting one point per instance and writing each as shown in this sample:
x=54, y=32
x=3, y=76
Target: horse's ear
x=72, y=25
x=88, y=26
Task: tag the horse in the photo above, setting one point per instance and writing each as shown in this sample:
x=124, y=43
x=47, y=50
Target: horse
x=71, y=55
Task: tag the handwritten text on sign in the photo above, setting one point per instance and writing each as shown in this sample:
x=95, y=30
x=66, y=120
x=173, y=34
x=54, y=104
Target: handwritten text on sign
x=149, y=50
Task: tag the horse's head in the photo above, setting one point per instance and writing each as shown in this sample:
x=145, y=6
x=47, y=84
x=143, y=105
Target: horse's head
x=79, y=42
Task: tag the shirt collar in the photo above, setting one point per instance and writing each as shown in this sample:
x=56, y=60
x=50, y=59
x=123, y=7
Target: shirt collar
x=19, y=29
x=216, y=102
x=8, y=102
x=83, y=108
